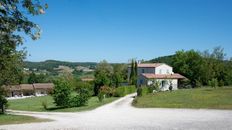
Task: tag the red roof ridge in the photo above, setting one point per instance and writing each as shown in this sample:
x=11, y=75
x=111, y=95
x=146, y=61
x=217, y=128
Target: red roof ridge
x=150, y=65
x=163, y=76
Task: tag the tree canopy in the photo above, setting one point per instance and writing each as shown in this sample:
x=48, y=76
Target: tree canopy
x=201, y=67
x=14, y=25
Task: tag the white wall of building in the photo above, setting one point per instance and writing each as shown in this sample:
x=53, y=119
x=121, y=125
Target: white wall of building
x=163, y=69
x=164, y=83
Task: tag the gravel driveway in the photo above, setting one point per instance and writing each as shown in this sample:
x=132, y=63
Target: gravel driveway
x=121, y=115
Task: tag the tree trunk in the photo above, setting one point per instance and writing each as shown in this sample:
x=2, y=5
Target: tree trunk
x=2, y=109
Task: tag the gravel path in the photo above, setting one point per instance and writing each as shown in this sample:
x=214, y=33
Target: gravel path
x=120, y=115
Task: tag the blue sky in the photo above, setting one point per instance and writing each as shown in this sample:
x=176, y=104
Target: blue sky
x=118, y=30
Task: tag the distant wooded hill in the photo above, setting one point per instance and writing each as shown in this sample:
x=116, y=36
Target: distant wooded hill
x=164, y=59
x=49, y=65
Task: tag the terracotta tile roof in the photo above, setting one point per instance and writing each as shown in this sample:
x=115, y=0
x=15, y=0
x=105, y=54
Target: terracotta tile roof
x=163, y=76
x=12, y=87
x=149, y=65
x=43, y=85
x=26, y=87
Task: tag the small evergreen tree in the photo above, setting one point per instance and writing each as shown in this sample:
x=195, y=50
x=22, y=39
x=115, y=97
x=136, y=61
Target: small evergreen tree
x=132, y=72
x=136, y=73
x=139, y=91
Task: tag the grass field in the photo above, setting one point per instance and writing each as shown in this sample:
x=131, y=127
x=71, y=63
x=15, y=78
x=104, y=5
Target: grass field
x=15, y=119
x=35, y=104
x=208, y=98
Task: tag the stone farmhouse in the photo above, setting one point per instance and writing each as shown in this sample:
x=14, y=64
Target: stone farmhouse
x=157, y=72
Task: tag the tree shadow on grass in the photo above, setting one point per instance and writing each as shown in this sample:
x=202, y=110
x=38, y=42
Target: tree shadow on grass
x=62, y=108
x=56, y=108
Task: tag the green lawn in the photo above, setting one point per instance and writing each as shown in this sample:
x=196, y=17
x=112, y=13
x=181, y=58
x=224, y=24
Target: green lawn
x=15, y=119
x=35, y=104
x=209, y=98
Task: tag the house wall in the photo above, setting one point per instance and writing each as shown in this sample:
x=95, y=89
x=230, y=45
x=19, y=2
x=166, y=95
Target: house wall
x=13, y=93
x=141, y=80
x=141, y=70
x=39, y=92
x=27, y=92
x=166, y=85
x=163, y=69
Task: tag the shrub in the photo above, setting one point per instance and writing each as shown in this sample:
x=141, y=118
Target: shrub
x=45, y=104
x=221, y=83
x=100, y=96
x=80, y=99
x=139, y=91
x=185, y=84
x=213, y=83
x=108, y=91
x=120, y=92
x=78, y=85
x=198, y=84
x=61, y=93
x=124, y=90
x=3, y=101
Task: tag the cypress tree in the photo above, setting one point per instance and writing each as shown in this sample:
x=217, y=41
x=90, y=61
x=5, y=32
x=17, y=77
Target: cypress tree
x=136, y=73
x=132, y=72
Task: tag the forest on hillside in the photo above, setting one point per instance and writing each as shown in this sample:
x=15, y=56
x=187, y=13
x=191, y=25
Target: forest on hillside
x=49, y=65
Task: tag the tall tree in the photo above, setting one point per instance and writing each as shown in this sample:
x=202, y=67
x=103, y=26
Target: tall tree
x=189, y=64
x=103, y=75
x=14, y=25
x=119, y=74
x=133, y=72
x=136, y=73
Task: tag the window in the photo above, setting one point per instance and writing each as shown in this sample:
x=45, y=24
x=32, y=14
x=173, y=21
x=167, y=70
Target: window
x=143, y=71
x=168, y=71
x=160, y=71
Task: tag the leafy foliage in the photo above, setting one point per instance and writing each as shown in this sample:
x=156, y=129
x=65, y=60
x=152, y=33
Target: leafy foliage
x=139, y=91
x=103, y=75
x=62, y=93
x=165, y=59
x=124, y=90
x=108, y=75
x=200, y=67
x=119, y=74
x=13, y=24
x=189, y=64
x=80, y=85
x=133, y=72
x=33, y=78
x=101, y=96
x=80, y=99
x=3, y=100
x=213, y=83
x=154, y=86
